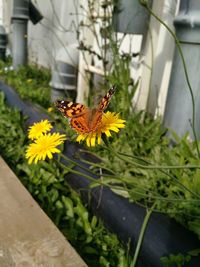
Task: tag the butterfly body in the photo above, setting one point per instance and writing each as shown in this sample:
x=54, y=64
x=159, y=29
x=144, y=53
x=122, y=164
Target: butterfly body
x=82, y=118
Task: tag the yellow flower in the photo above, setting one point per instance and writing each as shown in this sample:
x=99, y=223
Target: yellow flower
x=110, y=122
x=50, y=109
x=38, y=129
x=44, y=147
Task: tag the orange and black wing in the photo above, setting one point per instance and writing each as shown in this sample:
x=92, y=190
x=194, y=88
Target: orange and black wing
x=81, y=123
x=106, y=99
x=70, y=109
x=77, y=113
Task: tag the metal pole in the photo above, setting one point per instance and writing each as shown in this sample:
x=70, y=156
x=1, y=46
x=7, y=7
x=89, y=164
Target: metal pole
x=20, y=19
x=178, y=112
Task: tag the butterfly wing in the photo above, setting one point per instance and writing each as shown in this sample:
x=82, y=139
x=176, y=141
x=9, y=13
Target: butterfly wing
x=70, y=109
x=96, y=114
x=77, y=113
x=81, y=123
x=83, y=119
x=106, y=99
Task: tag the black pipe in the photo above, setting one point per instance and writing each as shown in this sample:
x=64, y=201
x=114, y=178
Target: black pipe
x=3, y=43
x=163, y=235
x=27, y=109
x=34, y=14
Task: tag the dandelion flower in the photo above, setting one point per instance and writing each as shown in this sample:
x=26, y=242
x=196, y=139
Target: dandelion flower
x=50, y=109
x=38, y=129
x=44, y=146
x=110, y=122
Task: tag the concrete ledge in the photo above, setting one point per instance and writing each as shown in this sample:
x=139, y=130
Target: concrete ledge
x=28, y=238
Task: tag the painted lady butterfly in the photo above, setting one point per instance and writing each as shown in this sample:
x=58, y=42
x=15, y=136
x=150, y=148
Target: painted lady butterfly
x=82, y=118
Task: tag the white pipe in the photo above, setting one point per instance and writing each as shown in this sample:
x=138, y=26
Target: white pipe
x=162, y=61
x=1, y=12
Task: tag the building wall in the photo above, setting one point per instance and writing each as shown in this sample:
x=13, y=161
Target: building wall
x=57, y=29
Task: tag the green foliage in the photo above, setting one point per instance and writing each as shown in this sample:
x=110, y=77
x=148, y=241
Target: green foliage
x=120, y=76
x=47, y=183
x=146, y=168
x=137, y=149
x=179, y=259
x=12, y=134
x=142, y=163
x=107, y=51
x=29, y=81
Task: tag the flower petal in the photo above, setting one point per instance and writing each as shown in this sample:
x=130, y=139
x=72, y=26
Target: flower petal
x=43, y=147
x=107, y=133
x=110, y=122
x=39, y=128
x=93, y=139
x=114, y=129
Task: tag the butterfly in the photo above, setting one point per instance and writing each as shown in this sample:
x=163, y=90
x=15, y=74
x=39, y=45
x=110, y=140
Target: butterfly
x=83, y=119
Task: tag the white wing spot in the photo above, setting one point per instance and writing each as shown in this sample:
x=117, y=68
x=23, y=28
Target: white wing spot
x=70, y=104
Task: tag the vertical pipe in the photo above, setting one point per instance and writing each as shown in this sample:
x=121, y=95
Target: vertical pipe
x=19, y=42
x=130, y=17
x=3, y=43
x=20, y=19
x=178, y=112
x=162, y=61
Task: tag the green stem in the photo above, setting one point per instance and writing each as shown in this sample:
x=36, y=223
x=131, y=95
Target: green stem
x=78, y=164
x=160, y=168
x=171, y=176
x=145, y=4
x=143, y=195
x=98, y=165
x=141, y=236
x=70, y=169
x=76, y=172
